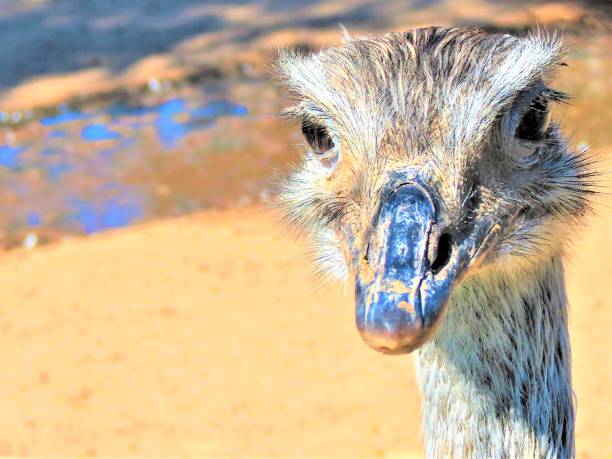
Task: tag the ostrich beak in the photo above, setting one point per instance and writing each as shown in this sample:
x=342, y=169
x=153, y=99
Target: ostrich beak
x=405, y=278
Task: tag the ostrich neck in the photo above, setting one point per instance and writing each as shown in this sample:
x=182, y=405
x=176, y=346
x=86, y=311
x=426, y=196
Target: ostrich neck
x=496, y=377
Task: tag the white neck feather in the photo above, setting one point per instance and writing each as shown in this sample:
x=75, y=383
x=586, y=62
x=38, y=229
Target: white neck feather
x=496, y=376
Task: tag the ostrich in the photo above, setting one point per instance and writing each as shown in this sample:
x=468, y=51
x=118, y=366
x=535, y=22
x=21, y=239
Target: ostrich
x=435, y=180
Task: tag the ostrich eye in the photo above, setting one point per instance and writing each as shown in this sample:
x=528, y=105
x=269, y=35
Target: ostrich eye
x=534, y=122
x=317, y=137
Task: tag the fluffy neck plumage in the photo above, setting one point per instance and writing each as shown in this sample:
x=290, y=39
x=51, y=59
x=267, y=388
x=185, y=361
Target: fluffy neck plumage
x=496, y=376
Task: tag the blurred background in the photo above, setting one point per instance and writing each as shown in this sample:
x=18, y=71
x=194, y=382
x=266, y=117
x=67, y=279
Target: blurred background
x=151, y=304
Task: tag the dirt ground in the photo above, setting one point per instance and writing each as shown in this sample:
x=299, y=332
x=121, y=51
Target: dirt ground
x=205, y=336
x=57, y=50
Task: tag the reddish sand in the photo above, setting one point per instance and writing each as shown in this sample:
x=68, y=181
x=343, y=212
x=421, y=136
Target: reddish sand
x=206, y=336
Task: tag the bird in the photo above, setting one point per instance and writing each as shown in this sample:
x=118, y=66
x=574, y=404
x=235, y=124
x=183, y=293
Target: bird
x=435, y=181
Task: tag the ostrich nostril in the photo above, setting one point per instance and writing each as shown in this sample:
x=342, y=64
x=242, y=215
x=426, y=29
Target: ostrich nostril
x=442, y=252
x=366, y=257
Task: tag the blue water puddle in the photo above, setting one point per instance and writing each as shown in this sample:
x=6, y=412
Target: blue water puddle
x=9, y=156
x=56, y=171
x=169, y=131
x=65, y=116
x=114, y=212
x=75, y=168
x=95, y=132
x=33, y=219
x=57, y=134
x=219, y=108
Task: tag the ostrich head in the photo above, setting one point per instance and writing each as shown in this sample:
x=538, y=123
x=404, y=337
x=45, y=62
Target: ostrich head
x=431, y=159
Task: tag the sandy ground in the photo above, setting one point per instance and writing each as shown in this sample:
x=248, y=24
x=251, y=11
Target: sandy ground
x=206, y=336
